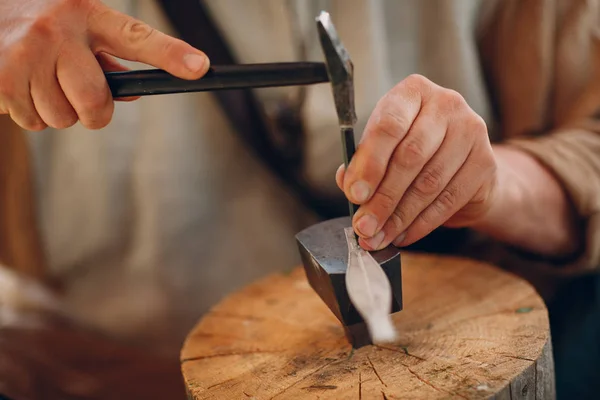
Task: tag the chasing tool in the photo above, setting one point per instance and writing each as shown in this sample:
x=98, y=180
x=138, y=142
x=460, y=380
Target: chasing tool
x=361, y=288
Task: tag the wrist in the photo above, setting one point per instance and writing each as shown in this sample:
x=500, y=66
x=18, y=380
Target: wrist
x=507, y=193
x=529, y=208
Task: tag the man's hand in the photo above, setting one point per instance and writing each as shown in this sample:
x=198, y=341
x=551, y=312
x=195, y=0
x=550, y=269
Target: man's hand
x=53, y=53
x=425, y=160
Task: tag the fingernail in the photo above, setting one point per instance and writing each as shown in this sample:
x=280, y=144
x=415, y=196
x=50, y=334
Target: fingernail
x=338, y=176
x=376, y=240
x=194, y=62
x=367, y=225
x=360, y=191
x=398, y=241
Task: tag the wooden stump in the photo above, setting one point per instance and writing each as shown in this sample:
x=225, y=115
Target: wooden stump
x=468, y=330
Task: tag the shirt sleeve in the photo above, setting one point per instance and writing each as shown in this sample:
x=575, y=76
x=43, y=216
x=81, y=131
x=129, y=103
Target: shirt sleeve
x=542, y=63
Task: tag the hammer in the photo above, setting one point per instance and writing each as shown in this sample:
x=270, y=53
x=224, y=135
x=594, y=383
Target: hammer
x=323, y=247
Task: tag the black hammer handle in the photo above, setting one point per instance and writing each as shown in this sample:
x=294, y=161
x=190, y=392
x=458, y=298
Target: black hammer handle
x=218, y=77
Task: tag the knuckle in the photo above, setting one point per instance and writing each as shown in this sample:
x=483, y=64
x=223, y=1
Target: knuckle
x=426, y=217
x=396, y=220
x=385, y=200
x=487, y=165
x=450, y=100
x=409, y=154
x=446, y=201
x=475, y=125
x=418, y=81
x=428, y=183
x=96, y=95
x=415, y=86
x=492, y=166
x=45, y=27
x=392, y=125
x=136, y=32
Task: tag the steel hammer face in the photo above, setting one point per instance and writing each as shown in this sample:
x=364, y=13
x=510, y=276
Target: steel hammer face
x=324, y=252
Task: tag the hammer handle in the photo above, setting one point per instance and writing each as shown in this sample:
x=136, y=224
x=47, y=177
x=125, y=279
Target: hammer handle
x=218, y=77
x=349, y=150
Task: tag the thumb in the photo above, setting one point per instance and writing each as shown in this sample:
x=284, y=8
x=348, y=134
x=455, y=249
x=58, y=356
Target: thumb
x=122, y=36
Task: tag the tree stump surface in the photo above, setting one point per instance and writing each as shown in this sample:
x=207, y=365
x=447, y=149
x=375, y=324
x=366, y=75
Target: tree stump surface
x=468, y=330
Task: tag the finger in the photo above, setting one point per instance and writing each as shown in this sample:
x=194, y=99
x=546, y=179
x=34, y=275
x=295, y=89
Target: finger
x=424, y=190
x=24, y=114
x=50, y=100
x=110, y=64
x=15, y=100
x=429, y=183
x=408, y=159
x=389, y=123
x=127, y=38
x=460, y=190
x=339, y=176
x=83, y=82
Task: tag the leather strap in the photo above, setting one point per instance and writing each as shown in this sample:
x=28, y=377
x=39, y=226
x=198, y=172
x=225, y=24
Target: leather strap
x=278, y=142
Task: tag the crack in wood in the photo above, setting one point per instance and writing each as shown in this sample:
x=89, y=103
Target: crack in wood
x=430, y=384
x=359, y=386
x=401, y=351
x=241, y=353
x=383, y=395
x=517, y=357
x=302, y=379
x=376, y=373
x=220, y=383
x=447, y=371
x=320, y=387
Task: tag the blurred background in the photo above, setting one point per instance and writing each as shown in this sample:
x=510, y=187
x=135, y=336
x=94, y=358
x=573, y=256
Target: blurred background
x=117, y=241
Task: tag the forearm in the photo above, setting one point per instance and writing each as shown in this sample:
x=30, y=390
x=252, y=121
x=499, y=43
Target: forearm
x=530, y=209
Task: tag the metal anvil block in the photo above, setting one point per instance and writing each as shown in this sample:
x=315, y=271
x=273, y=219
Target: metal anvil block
x=324, y=253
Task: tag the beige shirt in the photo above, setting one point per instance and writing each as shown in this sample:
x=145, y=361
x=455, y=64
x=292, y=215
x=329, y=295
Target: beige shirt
x=155, y=218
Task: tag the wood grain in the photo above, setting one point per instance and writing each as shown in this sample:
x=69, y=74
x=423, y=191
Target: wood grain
x=468, y=330
x=20, y=242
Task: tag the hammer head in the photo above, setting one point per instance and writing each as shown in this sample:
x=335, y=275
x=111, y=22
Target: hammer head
x=339, y=68
x=324, y=253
